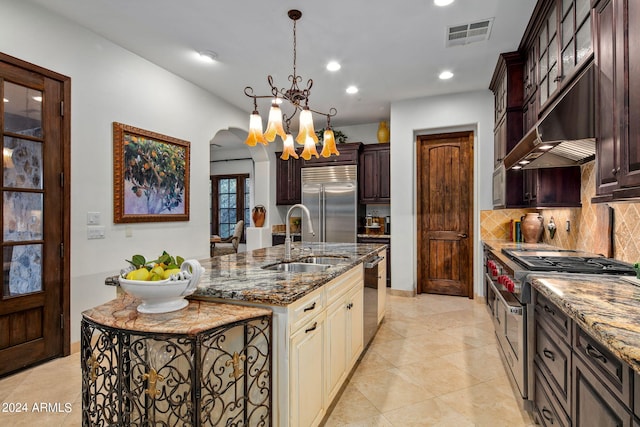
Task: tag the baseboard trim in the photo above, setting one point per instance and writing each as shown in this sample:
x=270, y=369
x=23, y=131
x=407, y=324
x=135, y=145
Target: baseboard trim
x=400, y=293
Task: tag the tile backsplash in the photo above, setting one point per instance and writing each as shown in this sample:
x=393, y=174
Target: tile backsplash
x=626, y=225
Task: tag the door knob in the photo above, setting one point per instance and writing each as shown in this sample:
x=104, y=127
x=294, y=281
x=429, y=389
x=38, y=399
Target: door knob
x=462, y=235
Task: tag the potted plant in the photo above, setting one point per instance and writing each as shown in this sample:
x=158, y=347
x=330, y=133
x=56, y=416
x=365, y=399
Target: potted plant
x=338, y=135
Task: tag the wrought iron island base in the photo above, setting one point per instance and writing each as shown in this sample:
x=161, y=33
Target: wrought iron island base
x=207, y=364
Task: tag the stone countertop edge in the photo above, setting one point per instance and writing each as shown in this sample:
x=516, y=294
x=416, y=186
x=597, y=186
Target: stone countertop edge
x=606, y=307
x=197, y=317
x=241, y=277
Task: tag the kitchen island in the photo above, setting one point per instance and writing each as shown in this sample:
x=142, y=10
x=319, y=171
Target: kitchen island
x=317, y=318
x=587, y=360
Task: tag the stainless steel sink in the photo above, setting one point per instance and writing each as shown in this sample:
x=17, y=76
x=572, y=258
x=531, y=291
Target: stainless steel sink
x=298, y=267
x=331, y=260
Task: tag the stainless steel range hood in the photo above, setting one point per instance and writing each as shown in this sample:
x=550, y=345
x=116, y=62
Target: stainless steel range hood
x=565, y=136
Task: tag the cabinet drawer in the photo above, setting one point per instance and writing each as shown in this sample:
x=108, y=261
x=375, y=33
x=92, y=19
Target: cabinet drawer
x=548, y=411
x=611, y=371
x=547, y=312
x=594, y=403
x=303, y=310
x=344, y=283
x=553, y=357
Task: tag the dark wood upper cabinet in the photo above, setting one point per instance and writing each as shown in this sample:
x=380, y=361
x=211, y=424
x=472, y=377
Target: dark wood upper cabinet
x=374, y=174
x=288, y=180
x=348, y=156
x=617, y=60
x=507, y=88
x=558, y=44
x=552, y=187
x=629, y=176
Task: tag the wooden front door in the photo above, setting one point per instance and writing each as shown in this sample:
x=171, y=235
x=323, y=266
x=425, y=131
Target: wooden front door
x=444, y=209
x=34, y=302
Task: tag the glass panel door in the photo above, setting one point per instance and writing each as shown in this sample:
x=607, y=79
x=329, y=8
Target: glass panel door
x=34, y=304
x=22, y=201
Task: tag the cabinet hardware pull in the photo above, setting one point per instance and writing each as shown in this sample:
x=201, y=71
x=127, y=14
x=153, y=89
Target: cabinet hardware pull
x=549, y=354
x=548, y=310
x=547, y=414
x=614, y=171
x=462, y=235
x=593, y=352
x=311, y=307
x=313, y=328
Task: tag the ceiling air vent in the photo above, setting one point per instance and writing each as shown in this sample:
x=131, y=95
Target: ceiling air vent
x=460, y=35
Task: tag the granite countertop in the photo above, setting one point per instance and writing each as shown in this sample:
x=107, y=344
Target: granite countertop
x=240, y=277
x=375, y=236
x=197, y=317
x=608, y=307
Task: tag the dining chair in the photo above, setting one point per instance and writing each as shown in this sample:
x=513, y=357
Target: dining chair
x=230, y=244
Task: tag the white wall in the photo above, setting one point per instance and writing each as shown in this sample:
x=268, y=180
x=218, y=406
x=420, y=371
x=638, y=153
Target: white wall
x=111, y=84
x=366, y=133
x=409, y=118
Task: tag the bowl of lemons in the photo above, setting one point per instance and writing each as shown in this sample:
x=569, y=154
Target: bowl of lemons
x=161, y=284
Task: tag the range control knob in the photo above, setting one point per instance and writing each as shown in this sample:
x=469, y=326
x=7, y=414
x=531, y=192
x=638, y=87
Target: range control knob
x=509, y=284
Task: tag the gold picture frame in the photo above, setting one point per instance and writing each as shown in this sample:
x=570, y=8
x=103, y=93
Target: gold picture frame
x=150, y=176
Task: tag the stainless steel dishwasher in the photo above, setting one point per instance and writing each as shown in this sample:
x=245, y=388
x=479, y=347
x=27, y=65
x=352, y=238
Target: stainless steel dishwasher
x=371, y=282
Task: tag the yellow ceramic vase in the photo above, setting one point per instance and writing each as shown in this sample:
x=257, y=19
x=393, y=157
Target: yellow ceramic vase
x=383, y=132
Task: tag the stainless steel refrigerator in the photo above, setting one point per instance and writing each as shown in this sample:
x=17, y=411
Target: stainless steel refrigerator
x=331, y=195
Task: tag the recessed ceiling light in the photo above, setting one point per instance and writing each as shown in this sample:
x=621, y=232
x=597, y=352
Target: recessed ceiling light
x=442, y=2
x=37, y=98
x=333, y=66
x=208, y=55
x=517, y=167
x=524, y=162
x=445, y=75
x=352, y=89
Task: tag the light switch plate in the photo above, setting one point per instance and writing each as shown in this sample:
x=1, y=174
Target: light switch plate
x=95, y=232
x=93, y=218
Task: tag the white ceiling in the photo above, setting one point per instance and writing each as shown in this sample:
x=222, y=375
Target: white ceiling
x=391, y=50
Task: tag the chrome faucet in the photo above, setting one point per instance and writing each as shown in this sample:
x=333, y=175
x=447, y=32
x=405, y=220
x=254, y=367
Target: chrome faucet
x=287, y=239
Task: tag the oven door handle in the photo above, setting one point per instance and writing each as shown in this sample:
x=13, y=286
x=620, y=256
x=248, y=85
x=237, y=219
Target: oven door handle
x=514, y=307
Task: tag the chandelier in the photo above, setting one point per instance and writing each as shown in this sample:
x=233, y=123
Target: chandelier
x=299, y=99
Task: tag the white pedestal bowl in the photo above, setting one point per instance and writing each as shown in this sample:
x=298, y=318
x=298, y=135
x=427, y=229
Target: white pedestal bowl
x=167, y=295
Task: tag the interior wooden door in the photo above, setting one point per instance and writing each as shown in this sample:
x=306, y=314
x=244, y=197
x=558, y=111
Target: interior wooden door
x=444, y=212
x=34, y=302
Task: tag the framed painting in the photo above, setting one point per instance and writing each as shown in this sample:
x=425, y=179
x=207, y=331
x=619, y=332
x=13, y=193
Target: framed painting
x=150, y=176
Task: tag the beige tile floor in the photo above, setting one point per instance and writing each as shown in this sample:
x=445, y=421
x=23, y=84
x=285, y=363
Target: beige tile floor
x=434, y=362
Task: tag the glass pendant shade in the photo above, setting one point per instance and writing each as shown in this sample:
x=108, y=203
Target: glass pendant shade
x=329, y=144
x=274, y=126
x=306, y=128
x=288, y=148
x=309, y=149
x=255, y=131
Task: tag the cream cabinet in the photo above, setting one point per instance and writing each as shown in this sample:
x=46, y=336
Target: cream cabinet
x=355, y=320
x=344, y=330
x=382, y=285
x=325, y=339
x=307, y=369
x=336, y=347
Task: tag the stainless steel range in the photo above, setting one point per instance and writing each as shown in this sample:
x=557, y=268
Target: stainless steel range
x=509, y=298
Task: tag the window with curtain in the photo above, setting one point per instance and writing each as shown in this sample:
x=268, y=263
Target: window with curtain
x=229, y=203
